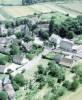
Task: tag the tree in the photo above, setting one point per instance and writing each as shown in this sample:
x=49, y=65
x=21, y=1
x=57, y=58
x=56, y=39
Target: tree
x=3, y=95
x=14, y=49
x=19, y=79
x=19, y=35
x=40, y=78
x=63, y=31
x=70, y=35
x=50, y=81
x=67, y=84
x=43, y=35
x=40, y=69
x=51, y=26
x=78, y=70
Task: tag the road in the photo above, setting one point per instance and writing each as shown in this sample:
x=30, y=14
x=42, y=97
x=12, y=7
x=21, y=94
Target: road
x=32, y=63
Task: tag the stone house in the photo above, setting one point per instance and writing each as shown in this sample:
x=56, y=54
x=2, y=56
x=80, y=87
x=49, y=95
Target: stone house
x=66, y=45
x=2, y=68
x=7, y=86
x=27, y=46
x=55, y=39
x=19, y=59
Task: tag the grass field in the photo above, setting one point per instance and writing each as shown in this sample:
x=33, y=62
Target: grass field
x=8, y=12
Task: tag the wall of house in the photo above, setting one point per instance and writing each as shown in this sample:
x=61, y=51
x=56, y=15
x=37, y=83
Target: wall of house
x=66, y=46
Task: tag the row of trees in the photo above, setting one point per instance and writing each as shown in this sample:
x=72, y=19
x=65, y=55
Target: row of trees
x=68, y=28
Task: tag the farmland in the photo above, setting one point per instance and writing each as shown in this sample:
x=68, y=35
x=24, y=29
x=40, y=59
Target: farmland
x=73, y=6
x=7, y=12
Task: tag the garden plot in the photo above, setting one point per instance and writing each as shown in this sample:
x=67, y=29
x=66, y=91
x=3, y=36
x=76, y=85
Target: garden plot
x=19, y=11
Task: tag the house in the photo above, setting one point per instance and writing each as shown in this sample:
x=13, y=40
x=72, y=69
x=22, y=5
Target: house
x=5, y=41
x=27, y=46
x=33, y=20
x=5, y=50
x=21, y=28
x=43, y=26
x=7, y=86
x=68, y=62
x=38, y=41
x=1, y=87
x=77, y=49
x=19, y=59
x=55, y=39
x=3, y=30
x=66, y=45
x=2, y=68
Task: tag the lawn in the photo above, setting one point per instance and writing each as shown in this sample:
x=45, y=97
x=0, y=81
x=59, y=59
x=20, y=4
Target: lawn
x=3, y=59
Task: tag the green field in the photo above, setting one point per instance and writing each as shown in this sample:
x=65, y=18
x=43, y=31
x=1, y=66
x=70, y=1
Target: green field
x=10, y=12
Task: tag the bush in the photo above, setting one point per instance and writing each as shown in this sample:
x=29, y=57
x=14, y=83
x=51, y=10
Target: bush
x=19, y=79
x=29, y=56
x=19, y=35
x=67, y=85
x=50, y=81
x=61, y=91
x=3, y=95
x=40, y=69
x=43, y=35
x=74, y=85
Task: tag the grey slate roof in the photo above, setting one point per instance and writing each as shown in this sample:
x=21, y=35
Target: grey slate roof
x=18, y=59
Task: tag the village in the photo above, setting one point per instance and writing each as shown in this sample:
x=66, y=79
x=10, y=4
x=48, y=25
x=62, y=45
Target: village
x=26, y=42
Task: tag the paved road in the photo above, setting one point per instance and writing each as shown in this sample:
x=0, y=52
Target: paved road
x=32, y=63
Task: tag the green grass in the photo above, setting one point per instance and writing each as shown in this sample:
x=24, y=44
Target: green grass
x=58, y=17
x=3, y=59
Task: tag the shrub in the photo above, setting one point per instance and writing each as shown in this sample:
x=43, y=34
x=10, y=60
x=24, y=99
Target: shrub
x=74, y=85
x=29, y=56
x=19, y=79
